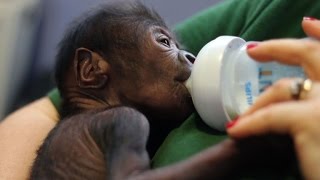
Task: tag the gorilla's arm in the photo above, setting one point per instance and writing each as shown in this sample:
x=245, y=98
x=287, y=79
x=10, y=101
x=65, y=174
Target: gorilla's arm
x=111, y=144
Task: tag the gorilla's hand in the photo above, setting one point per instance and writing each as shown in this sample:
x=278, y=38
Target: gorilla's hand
x=95, y=145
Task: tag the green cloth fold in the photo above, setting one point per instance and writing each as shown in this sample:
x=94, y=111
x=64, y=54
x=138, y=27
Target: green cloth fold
x=250, y=19
x=55, y=98
x=193, y=135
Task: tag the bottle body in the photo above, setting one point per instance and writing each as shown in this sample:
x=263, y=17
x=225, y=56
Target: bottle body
x=225, y=81
x=249, y=78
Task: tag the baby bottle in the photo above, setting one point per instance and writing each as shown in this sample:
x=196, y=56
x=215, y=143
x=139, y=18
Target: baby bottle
x=225, y=81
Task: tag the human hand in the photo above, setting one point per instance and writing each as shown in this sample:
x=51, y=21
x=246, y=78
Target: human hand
x=276, y=111
x=301, y=52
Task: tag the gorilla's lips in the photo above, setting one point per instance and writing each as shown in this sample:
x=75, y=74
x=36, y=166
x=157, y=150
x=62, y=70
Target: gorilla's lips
x=183, y=75
x=182, y=78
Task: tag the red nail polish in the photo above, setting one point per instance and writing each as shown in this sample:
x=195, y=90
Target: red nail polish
x=232, y=123
x=310, y=18
x=252, y=45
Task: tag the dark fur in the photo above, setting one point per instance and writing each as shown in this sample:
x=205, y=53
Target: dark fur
x=99, y=144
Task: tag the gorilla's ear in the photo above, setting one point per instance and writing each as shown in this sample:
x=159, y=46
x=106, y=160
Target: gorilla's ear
x=90, y=68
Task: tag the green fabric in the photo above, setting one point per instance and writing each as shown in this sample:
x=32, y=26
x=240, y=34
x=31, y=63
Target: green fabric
x=55, y=98
x=250, y=19
x=191, y=137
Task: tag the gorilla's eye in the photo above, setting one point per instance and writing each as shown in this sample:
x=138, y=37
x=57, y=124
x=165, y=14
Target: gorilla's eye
x=165, y=42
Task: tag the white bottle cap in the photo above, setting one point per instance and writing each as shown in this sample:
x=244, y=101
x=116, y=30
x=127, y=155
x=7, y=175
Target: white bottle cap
x=208, y=84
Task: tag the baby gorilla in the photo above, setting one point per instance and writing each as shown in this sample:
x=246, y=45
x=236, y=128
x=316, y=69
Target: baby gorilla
x=124, y=55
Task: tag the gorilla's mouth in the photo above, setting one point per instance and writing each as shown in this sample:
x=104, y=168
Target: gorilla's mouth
x=181, y=81
x=182, y=77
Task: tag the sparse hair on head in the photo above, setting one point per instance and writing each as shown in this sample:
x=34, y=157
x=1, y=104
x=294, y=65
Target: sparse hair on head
x=106, y=30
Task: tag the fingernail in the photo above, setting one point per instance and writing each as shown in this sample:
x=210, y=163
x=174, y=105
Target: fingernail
x=309, y=18
x=232, y=123
x=252, y=45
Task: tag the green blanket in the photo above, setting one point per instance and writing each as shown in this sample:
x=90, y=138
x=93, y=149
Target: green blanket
x=250, y=19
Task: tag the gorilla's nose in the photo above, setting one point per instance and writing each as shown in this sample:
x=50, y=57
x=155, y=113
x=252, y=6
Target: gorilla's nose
x=187, y=56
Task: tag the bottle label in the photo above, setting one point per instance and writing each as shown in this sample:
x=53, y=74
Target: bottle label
x=266, y=75
x=269, y=73
x=248, y=92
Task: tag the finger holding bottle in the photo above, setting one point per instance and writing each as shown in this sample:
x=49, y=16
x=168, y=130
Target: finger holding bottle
x=300, y=52
x=286, y=89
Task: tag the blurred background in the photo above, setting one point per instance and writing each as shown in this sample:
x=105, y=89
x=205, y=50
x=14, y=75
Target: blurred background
x=30, y=31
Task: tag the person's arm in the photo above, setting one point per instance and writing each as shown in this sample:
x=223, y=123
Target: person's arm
x=21, y=134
